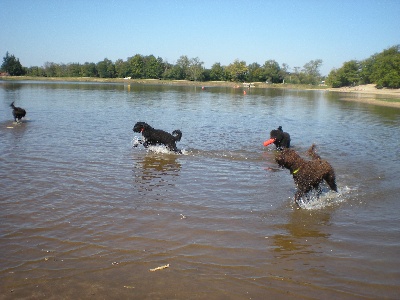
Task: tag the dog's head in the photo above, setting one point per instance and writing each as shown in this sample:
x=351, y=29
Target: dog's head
x=287, y=158
x=276, y=134
x=140, y=127
x=177, y=134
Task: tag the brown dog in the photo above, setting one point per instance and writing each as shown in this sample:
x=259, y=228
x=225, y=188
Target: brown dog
x=307, y=175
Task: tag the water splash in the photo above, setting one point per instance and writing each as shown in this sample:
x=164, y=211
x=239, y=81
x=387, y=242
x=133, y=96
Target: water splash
x=326, y=199
x=160, y=149
x=164, y=150
x=136, y=141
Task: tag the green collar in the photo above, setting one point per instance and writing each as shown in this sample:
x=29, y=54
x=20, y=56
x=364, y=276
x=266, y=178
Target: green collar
x=295, y=171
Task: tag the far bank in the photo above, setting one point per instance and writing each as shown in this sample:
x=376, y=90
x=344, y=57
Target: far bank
x=365, y=93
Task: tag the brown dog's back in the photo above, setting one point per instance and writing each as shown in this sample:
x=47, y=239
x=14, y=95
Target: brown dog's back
x=307, y=174
x=326, y=170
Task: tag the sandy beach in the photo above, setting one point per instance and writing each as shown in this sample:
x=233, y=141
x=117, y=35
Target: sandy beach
x=367, y=89
x=368, y=93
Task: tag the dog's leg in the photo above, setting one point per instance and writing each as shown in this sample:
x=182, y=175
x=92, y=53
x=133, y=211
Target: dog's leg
x=172, y=147
x=137, y=143
x=297, y=197
x=331, y=181
x=319, y=191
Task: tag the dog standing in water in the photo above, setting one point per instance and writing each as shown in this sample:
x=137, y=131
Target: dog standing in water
x=17, y=112
x=307, y=175
x=279, y=138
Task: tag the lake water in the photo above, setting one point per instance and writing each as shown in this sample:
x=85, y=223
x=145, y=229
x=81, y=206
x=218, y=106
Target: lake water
x=86, y=216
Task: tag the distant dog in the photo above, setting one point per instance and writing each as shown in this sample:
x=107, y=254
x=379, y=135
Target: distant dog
x=17, y=112
x=279, y=138
x=157, y=136
x=307, y=175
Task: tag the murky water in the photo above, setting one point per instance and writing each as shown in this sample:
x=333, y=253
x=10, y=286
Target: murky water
x=85, y=215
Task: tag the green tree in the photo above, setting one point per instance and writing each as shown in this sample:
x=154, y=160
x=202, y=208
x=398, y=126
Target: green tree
x=35, y=71
x=333, y=79
x=348, y=74
x=106, y=69
x=217, y=72
x=173, y=72
x=311, y=74
x=74, y=70
x=52, y=69
x=12, y=66
x=386, y=69
x=89, y=70
x=183, y=64
x=121, y=68
x=366, y=68
x=255, y=72
x=351, y=72
x=383, y=69
x=206, y=75
x=153, y=67
x=294, y=77
x=272, y=71
x=136, y=66
x=284, y=73
x=237, y=71
x=195, y=69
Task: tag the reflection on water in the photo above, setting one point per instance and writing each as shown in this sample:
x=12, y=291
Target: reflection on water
x=153, y=170
x=302, y=231
x=83, y=214
x=56, y=85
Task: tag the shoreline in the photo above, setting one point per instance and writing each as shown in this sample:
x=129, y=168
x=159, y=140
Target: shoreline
x=365, y=93
x=368, y=93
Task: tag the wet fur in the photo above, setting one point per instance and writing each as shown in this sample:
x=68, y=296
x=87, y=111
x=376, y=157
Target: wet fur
x=307, y=174
x=157, y=136
x=282, y=139
x=17, y=112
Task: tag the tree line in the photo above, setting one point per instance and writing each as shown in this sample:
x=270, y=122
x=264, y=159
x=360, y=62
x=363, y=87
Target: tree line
x=185, y=68
x=383, y=69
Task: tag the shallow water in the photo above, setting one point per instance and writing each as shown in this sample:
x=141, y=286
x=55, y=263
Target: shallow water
x=85, y=215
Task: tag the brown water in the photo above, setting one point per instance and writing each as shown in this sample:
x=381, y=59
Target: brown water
x=86, y=216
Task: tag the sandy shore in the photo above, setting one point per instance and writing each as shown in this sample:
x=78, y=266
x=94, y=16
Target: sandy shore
x=368, y=93
x=367, y=89
x=365, y=93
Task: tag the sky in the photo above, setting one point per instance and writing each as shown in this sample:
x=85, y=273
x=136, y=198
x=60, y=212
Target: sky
x=288, y=31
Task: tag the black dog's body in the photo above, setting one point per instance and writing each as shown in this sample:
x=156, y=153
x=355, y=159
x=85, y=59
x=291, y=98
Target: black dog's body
x=307, y=175
x=157, y=136
x=280, y=139
x=17, y=112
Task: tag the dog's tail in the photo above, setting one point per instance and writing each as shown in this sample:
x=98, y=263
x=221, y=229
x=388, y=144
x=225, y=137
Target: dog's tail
x=177, y=135
x=12, y=105
x=312, y=153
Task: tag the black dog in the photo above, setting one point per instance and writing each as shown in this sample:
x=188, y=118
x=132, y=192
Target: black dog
x=17, y=112
x=307, y=175
x=279, y=138
x=157, y=136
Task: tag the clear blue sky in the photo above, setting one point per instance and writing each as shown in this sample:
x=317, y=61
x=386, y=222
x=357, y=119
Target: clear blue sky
x=287, y=31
